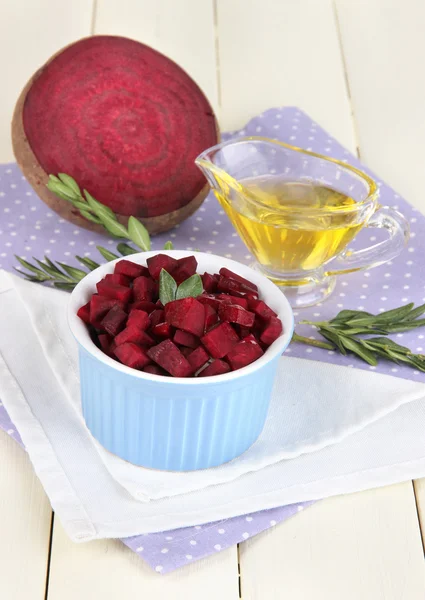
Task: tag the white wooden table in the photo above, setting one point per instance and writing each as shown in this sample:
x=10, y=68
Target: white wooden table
x=356, y=66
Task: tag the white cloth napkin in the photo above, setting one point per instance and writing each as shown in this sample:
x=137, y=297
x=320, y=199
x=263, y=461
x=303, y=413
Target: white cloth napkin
x=98, y=495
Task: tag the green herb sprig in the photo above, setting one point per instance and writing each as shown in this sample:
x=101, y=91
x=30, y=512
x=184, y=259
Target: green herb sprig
x=343, y=333
x=169, y=290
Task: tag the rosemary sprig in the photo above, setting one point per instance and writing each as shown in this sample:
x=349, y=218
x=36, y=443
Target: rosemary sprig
x=68, y=189
x=343, y=333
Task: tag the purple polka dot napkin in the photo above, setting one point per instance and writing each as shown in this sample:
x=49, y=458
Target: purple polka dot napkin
x=28, y=228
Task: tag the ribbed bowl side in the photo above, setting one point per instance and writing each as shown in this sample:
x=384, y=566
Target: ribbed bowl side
x=169, y=426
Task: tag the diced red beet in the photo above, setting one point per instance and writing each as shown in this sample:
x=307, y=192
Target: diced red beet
x=233, y=313
x=187, y=314
x=161, y=261
x=143, y=289
x=244, y=332
x=159, y=304
x=197, y=358
x=114, y=320
x=231, y=286
x=113, y=290
x=220, y=340
x=183, y=338
x=162, y=330
x=230, y=275
x=209, y=299
x=186, y=267
x=250, y=338
x=84, y=313
x=168, y=356
x=157, y=316
x=132, y=355
x=209, y=282
x=135, y=335
x=217, y=367
x=211, y=317
x=130, y=269
x=251, y=296
x=140, y=318
x=271, y=331
x=105, y=341
x=233, y=300
x=155, y=370
x=99, y=306
x=117, y=279
x=145, y=305
x=185, y=350
x=244, y=353
x=261, y=309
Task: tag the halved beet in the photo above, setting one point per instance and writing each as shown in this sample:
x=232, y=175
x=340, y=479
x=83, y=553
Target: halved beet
x=220, y=340
x=233, y=313
x=84, y=313
x=183, y=338
x=197, y=358
x=118, y=279
x=135, y=335
x=211, y=317
x=187, y=314
x=139, y=318
x=271, y=331
x=143, y=289
x=162, y=330
x=244, y=353
x=261, y=309
x=217, y=367
x=209, y=282
x=132, y=355
x=113, y=290
x=99, y=306
x=168, y=356
x=186, y=267
x=130, y=269
x=230, y=275
x=114, y=320
x=161, y=261
x=122, y=119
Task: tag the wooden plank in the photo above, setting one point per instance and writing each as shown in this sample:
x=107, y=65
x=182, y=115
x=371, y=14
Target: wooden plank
x=109, y=570
x=30, y=32
x=282, y=53
x=182, y=30
x=25, y=518
x=364, y=545
x=384, y=46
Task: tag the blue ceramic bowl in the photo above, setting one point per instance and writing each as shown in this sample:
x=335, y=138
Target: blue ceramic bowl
x=171, y=423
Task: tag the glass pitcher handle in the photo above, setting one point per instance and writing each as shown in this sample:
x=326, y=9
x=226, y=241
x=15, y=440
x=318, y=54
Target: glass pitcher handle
x=378, y=254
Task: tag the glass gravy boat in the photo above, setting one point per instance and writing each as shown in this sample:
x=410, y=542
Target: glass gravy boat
x=297, y=211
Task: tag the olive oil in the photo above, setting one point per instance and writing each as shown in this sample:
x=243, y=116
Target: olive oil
x=290, y=227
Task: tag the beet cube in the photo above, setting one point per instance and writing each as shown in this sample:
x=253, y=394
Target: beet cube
x=211, y=317
x=230, y=275
x=131, y=355
x=113, y=290
x=233, y=300
x=145, y=305
x=197, y=358
x=117, y=279
x=186, y=267
x=143, y=289
x=231, y=286
x=217, y=367
x=209, y=299
x=271, y=331
x=261, y=309
x=135, y=335
x=183, y=338
x=244, y=353
x=114, y=320
x=162, y=330
x=84, y=313
x=99, y=306
x=161, y=261
x=209, y=282
x=130, y=269
x=155, y=370
x=220, y=340
x=185, y=350
x=159, y=304
x=168, y=356
x=244, y=332
x=157, y=316
x=187, y=314
x=233, y=313
x=139, y=318
x=105, y=341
